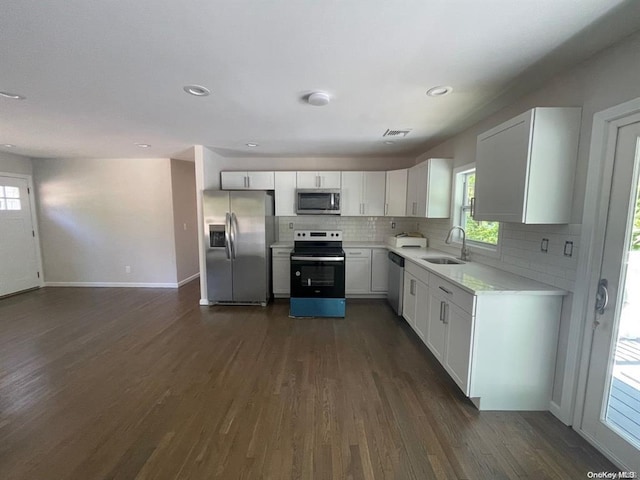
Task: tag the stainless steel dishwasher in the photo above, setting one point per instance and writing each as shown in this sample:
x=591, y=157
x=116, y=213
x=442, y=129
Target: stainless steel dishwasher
x=396, y=282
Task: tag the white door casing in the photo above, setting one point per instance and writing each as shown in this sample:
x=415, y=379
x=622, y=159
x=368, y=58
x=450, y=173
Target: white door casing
x=19, y=246
x=615, y=143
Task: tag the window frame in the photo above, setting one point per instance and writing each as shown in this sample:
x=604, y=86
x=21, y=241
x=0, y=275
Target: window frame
x=457, y=218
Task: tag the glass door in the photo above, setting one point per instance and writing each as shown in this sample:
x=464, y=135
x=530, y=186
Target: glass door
x=612, y=401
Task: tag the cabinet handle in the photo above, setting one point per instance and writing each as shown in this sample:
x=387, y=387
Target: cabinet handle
x=414, y=210
x=248, y=182
x=412, y=287
x=244, y=181
x=473, y=207
x=445, y=315
x=442, y=311
x=445, y=290
x=318, y=181
x=355, y=253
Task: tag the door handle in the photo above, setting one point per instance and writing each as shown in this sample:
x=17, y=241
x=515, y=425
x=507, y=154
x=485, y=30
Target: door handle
x=602, y=297
x=227, y=237
x=234, y=224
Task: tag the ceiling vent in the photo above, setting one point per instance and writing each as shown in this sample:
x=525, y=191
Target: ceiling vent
x=396, y=133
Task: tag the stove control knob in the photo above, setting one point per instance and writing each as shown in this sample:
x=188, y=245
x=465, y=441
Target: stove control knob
x=297, y=274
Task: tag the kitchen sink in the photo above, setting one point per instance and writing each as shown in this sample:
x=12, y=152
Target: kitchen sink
x=443, y=260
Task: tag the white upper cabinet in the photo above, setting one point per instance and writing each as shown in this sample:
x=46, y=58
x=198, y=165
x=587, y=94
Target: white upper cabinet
x=429, y=189
x=247, y=180
x=525, y=167
x=326, y=179
x=396, y=193
x=285, y=193
x=361, y=193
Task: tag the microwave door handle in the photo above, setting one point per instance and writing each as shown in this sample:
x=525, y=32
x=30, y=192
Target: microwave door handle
x=227, y=238
x=333, y=201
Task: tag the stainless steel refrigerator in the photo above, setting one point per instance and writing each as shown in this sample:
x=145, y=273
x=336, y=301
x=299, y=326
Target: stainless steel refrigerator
x=239, y=229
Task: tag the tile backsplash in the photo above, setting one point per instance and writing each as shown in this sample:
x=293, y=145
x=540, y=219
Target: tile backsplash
x=363, y=229
x=520, y=251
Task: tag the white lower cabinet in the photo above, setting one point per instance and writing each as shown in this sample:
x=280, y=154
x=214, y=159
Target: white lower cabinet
x=500, y=349
x=357, y=271
x=415, y=304
x=281, y=271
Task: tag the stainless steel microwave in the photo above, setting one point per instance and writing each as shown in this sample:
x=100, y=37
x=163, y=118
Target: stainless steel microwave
x=311, y=201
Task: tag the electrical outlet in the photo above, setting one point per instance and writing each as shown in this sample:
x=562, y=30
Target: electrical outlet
x=544, y=245
x=127, y=269
x=184, y=226
x=568, y=248
x=290, y=225
x=393, y=225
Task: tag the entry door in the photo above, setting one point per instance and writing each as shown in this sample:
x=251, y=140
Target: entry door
x=18, y=258
x=611, y=413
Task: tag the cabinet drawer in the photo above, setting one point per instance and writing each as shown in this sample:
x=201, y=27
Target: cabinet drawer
x=417, y=271
x=281, y=252
x=461, y=298
x=357, y=252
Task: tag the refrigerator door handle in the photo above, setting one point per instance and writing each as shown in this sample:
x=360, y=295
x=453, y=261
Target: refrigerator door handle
x=227, y=239
x=234, y=226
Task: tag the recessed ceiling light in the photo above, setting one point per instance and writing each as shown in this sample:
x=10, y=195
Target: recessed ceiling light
x=12, y=96
x=143, y=145
x=389, y=142
x=8, y=145
x=252, y=144
x=319, y=99
x=197, y=90
x=439, y=91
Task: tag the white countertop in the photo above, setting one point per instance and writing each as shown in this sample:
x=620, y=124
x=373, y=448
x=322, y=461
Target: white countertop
x=473, y=277
x=477, y=278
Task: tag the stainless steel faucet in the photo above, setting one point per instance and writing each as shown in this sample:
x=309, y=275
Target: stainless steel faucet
x=464, y=253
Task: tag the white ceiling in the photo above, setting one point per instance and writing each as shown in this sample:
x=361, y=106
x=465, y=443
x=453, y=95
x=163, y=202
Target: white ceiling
x=100, y=76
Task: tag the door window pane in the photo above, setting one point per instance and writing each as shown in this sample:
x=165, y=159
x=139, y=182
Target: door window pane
x=3, y=205
x=13, y=204
x=12, y=192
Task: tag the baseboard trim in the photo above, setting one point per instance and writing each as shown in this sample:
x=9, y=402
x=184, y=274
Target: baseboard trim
x=188, y=279
x=556, y=411
x=111, y=284
x=204, y=302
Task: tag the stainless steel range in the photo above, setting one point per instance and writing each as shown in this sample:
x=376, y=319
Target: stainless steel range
x=317, y=274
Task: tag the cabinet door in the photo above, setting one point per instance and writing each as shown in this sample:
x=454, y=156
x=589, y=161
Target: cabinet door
x=409, y=299
x=437, y=329
x=501, y=172
x=396, y=193
x=412, y=192
x=420, y=172
x=357, y=271
x=351, y=194
x=285, y=193
x=307, y=180
x=329, y=179
x=421, y=324
x=439, y=178
x=260, y=180
x=281, y=271
x=379, y=270
x=373, y=184
x=233, y=180
x=458, y=350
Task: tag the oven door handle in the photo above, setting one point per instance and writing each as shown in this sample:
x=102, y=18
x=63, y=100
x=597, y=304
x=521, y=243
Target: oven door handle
x=318, y=259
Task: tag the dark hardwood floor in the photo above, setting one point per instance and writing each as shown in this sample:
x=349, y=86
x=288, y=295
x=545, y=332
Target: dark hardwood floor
x=145, y=384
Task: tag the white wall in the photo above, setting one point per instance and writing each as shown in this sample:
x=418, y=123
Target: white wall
x=10, y=163
x=97, y=216
x=185, y=224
